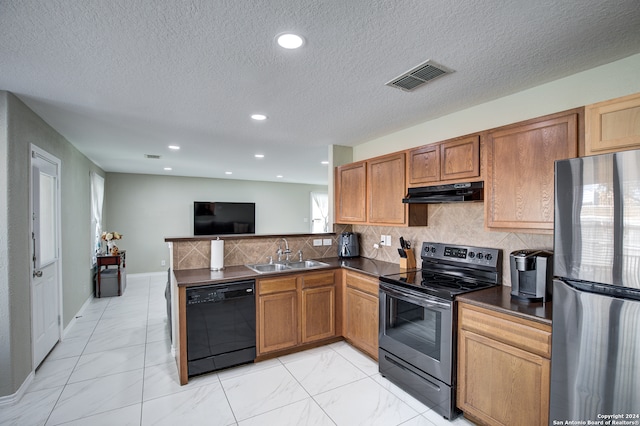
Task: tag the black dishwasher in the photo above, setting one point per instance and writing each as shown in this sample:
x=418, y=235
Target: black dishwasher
x=221, y=326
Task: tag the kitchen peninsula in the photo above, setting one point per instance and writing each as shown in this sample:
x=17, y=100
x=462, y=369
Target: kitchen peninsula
x=319, y=309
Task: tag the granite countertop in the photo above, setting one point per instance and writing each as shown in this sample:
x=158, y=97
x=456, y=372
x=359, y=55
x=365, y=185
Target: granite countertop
x=499, y=299
x=204, y=276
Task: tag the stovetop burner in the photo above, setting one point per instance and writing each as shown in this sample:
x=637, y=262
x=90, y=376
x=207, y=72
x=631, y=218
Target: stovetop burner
x=450, y=270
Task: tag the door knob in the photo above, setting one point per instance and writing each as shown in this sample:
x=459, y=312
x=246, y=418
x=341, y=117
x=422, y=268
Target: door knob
x=37, y=274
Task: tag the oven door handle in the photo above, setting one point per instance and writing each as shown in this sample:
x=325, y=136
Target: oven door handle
x=410, y=296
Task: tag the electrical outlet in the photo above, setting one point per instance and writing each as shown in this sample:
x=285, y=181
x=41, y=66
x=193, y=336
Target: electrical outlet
x=382, y=240
x=317, y=242
x=326, y=242
x=163, y=263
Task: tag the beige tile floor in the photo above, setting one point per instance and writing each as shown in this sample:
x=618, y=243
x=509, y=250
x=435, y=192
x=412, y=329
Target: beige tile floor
x=114, y=367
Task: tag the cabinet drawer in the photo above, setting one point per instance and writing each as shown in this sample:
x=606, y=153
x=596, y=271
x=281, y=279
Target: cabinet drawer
x=362, y=283
x=318, y=279
x=277, y=285
x=526, y=335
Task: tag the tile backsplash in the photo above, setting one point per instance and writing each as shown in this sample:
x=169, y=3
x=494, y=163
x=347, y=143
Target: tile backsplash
x=195, y=254
x=461, y=223
x=456, y=223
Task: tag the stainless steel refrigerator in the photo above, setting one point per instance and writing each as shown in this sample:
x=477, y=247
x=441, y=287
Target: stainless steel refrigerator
x=595, y=349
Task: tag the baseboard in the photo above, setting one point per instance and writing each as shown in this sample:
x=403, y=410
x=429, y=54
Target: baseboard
x=78, y=314
x=8, y=400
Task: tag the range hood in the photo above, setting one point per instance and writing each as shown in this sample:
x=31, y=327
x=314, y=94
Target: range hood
x=451, y=193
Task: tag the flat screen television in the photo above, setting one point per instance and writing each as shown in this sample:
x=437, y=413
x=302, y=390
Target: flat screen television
x=215, y=218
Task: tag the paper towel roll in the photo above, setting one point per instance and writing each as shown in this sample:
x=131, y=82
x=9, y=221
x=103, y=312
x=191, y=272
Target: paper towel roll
x=217, y=254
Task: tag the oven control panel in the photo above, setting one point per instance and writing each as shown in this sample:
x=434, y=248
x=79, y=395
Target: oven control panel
x=461, y=254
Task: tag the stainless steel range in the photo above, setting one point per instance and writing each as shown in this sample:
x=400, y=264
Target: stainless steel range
x=418, y=319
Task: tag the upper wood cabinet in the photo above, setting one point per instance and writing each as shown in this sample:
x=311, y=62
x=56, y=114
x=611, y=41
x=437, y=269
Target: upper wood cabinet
x=371, y=192
x=520, y=169
x=386, y=188
x=351, y=193
x=613, y=125
x=454, y=159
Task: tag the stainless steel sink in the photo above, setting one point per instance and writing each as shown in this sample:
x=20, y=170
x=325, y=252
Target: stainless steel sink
x=263, y=268
x=306, y=264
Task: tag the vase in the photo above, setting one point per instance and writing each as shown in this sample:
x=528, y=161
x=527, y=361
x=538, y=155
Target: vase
x=112, y=249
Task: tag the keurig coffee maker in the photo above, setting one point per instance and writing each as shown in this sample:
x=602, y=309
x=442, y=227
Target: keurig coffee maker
x=531, y=275
x=348, y=245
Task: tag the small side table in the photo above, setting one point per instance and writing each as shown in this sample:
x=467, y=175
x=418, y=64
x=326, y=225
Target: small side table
x=119, y=260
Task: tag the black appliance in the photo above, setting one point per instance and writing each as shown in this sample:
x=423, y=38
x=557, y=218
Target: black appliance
x=221, y=326
x=348, y=245
x=531, y=275
x=595, y=347
x=222, y=218
x=418, y=319
x=450, y=193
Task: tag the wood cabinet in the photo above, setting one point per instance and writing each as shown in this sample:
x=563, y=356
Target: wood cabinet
x=503, y=367
x=520, y=169
x=277, y=314
x=613, y=125
x=450, y=160
x=386, y=189
x=361, y=317
x=295, y=309
x=371, y=192
x=351, y=193
x=318, y=306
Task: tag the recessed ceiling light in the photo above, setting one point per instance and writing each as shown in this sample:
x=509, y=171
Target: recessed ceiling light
x=259, y=155
x=259, y=117
x=279, y=176
x=174, y=147
x=324, y=162
x=168, y=169
x=289, y=40
x=228, y=173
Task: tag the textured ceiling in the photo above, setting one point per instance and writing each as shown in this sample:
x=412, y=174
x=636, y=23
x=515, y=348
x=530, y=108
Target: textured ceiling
x=121, y=78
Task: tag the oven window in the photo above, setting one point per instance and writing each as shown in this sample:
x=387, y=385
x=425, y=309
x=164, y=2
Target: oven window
x=414, y=326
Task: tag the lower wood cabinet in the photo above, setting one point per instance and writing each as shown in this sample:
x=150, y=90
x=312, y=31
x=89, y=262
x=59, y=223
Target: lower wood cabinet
x=503, y=368
x=361, y=316
x=295, y=309
x=277, y=314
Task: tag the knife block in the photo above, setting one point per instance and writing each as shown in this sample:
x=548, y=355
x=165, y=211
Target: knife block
x=408, y=262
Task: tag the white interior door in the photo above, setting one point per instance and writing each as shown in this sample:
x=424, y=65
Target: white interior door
x=45, y=282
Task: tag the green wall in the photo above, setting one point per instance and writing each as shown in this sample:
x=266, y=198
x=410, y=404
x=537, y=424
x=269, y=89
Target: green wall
x=146, y=209
x=20, y=127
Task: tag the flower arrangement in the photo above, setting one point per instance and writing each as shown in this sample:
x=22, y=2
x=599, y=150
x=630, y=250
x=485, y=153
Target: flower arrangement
x=109, y=237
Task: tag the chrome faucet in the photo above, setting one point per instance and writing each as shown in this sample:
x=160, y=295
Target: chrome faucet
x=300, y=255
x=286, y=251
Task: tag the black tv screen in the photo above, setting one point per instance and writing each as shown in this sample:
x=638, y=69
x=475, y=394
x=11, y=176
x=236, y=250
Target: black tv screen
x=214, y=218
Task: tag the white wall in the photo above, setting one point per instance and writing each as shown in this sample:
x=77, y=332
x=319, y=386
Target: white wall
x=149, y=208
x=598, y=84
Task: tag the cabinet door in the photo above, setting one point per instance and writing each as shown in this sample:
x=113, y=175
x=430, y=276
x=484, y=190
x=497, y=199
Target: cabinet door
x=386, y=188
x=501, y=385
x=362, y=318
x=424, y=165
x=460, y=158
x=351, y=193
x=318, y=313
x=278, y=318
x=613, y=125
x=520, y=170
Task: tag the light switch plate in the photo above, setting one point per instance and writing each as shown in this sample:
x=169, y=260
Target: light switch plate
x=387, y=240
x=317, y=242
x=326, y=242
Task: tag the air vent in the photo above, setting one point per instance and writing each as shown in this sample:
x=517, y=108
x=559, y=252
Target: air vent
x=152, y=156
x=420, y=75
